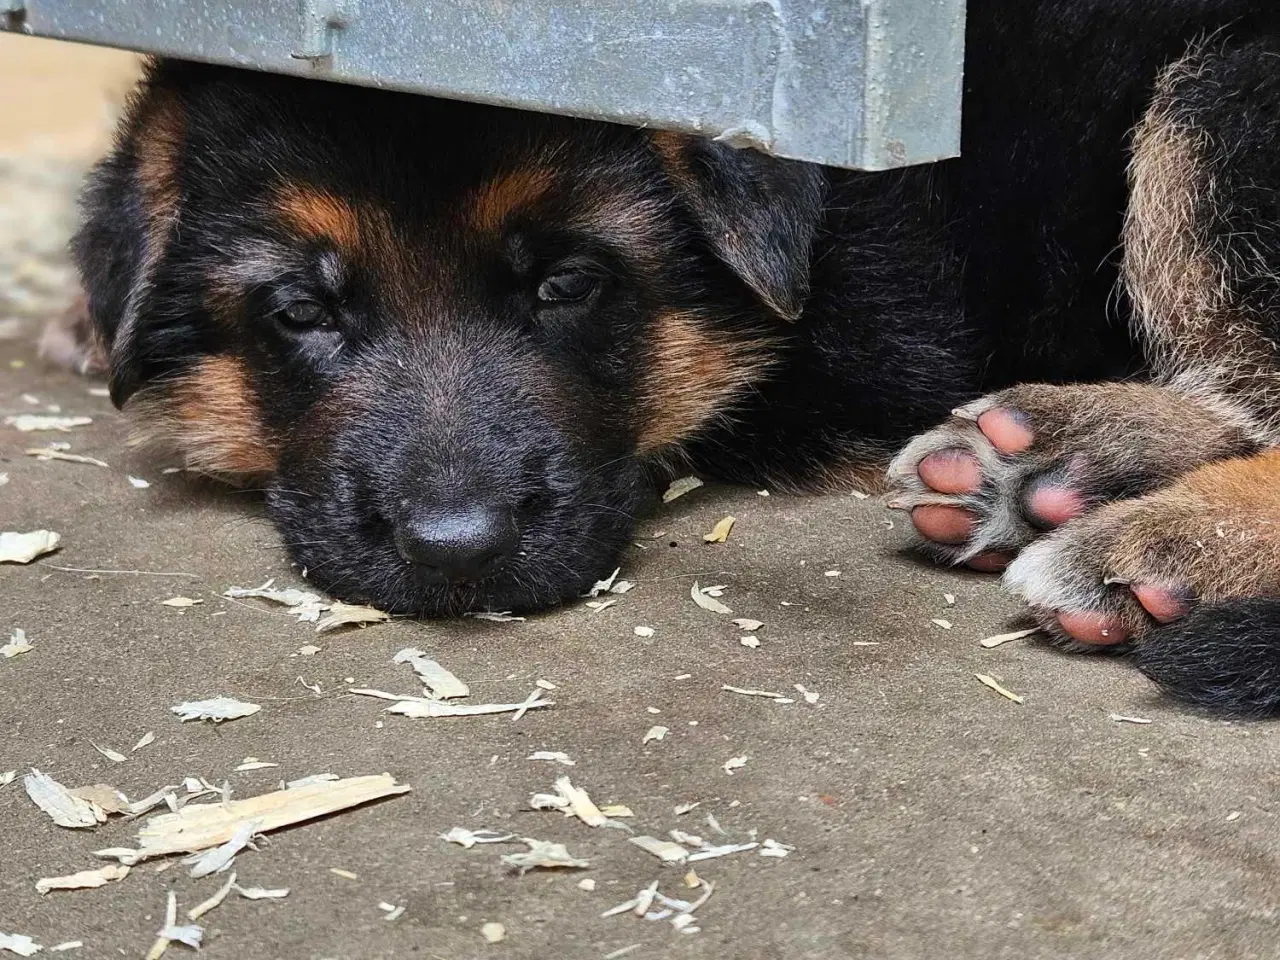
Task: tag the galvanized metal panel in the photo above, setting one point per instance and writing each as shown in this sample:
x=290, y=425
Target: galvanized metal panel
x=854, y=83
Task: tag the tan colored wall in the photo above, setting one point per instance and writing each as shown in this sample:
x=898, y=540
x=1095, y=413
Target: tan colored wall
x=58, y=97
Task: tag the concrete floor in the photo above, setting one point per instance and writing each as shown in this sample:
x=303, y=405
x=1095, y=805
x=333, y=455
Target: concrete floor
x=931, y=817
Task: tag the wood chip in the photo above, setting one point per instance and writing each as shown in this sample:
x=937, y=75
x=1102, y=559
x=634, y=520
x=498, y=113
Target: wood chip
x=498, y=617
x=138, y=483
x=148, y=738
x=747, y=692
x=42, y=423
x=572, y=801
x=84, y=880
x=203, y=826
x=442, y=684
x=720, y=532
x=216, y=710
x=734, y=763
x=603, y=586
x=112, y=755
x=995, y=685
x=552, y=756
x=200, y=909
x=262, y=893
x=180, y=602
x=679, y=488
x=25, y=547
x=950, y=599
x=21, y=945
x=350, y=614
x=654, y=733
x=469, y=838
x=421, y=708
x=493, y=932
x=665, y=850
x=1121, y=718
x=645, y=632
x=344, y=874
x=944, y=624
x=701, y=598
x=1000, y=638
x=53, y=453
x=543, y=855
x=747, y=624
x=17, y=645
x=64, y=808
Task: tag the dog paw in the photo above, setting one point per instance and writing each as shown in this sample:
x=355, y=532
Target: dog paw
x=1113, y=576
x=1015, y=464
x=70, y=341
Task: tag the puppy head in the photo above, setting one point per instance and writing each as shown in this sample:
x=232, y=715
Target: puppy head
x=447, y=337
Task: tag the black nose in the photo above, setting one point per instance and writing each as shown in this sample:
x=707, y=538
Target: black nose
x=457, y=543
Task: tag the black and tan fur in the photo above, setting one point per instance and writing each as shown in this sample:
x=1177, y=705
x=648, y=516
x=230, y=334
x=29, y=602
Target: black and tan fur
x=430, y=326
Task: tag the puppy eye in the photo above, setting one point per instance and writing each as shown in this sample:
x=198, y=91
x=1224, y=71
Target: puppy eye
x=303, y=315
x=570, y=287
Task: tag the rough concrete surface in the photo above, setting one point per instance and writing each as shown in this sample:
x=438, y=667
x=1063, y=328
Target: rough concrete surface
x=931, y=818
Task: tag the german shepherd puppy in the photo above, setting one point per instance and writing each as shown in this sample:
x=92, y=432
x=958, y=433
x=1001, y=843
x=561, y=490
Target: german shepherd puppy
x=453, y=340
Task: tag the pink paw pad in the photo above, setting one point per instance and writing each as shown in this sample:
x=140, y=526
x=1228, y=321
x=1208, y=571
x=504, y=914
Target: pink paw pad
x=943, y=524
x=952, y=471
x=1007, y=429
x=1096, y=629
x=1165, y=604
x=1051, y=505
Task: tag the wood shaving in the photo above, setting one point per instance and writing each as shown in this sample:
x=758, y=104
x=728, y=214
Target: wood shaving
x=586, y=883
x=574, y=802
x=53, y=453
x=17, y=943
x=1000, y=638
x=42, y=423
x=995, y=685
x=106, y=798
x=17, y=645
x=440, y=683
x=202, y=826
x=216, y=709
x=66, y=945
x=645, y=632
x=493, y=932
x=832, y=573
x=262, y=893
x=543, y=855
x=219, y=858
x=1121, y=718
x=654, y=733
x=599, y=605
x=603, y=586
x=308, y=650
x=180, y=602
x=684, y=808
x=84, y=880
x=348, y=614
x=148, y=738
x=552, y=756
x=678, y=488
x=138, y=483
x=949, y=599
x=63, y=807
x=747, y=692
x=809, y=695
x=25, y=547
x=772, y=848
x=469, y=838
x=307, y=607
x=720, y=532
x=7, y=777
x=617, y=810
x=703, y=599
x=503, y=617
x=747, y=624
x=751, y=641
x=200, y=909
x=112, y=755
x=667, y=851
x=944, y=624
x=710, y=852
x=344, y=874
x=734, y=763
x=421, y=708
x=190, y=935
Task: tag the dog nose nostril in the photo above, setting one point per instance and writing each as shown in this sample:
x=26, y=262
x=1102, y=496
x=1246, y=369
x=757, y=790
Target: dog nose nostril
x=458, y=543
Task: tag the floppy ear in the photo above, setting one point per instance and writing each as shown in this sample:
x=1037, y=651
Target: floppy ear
x=759, y=213
x=129, y=210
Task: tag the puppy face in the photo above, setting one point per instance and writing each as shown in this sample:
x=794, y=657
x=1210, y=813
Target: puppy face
x=448, y=338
